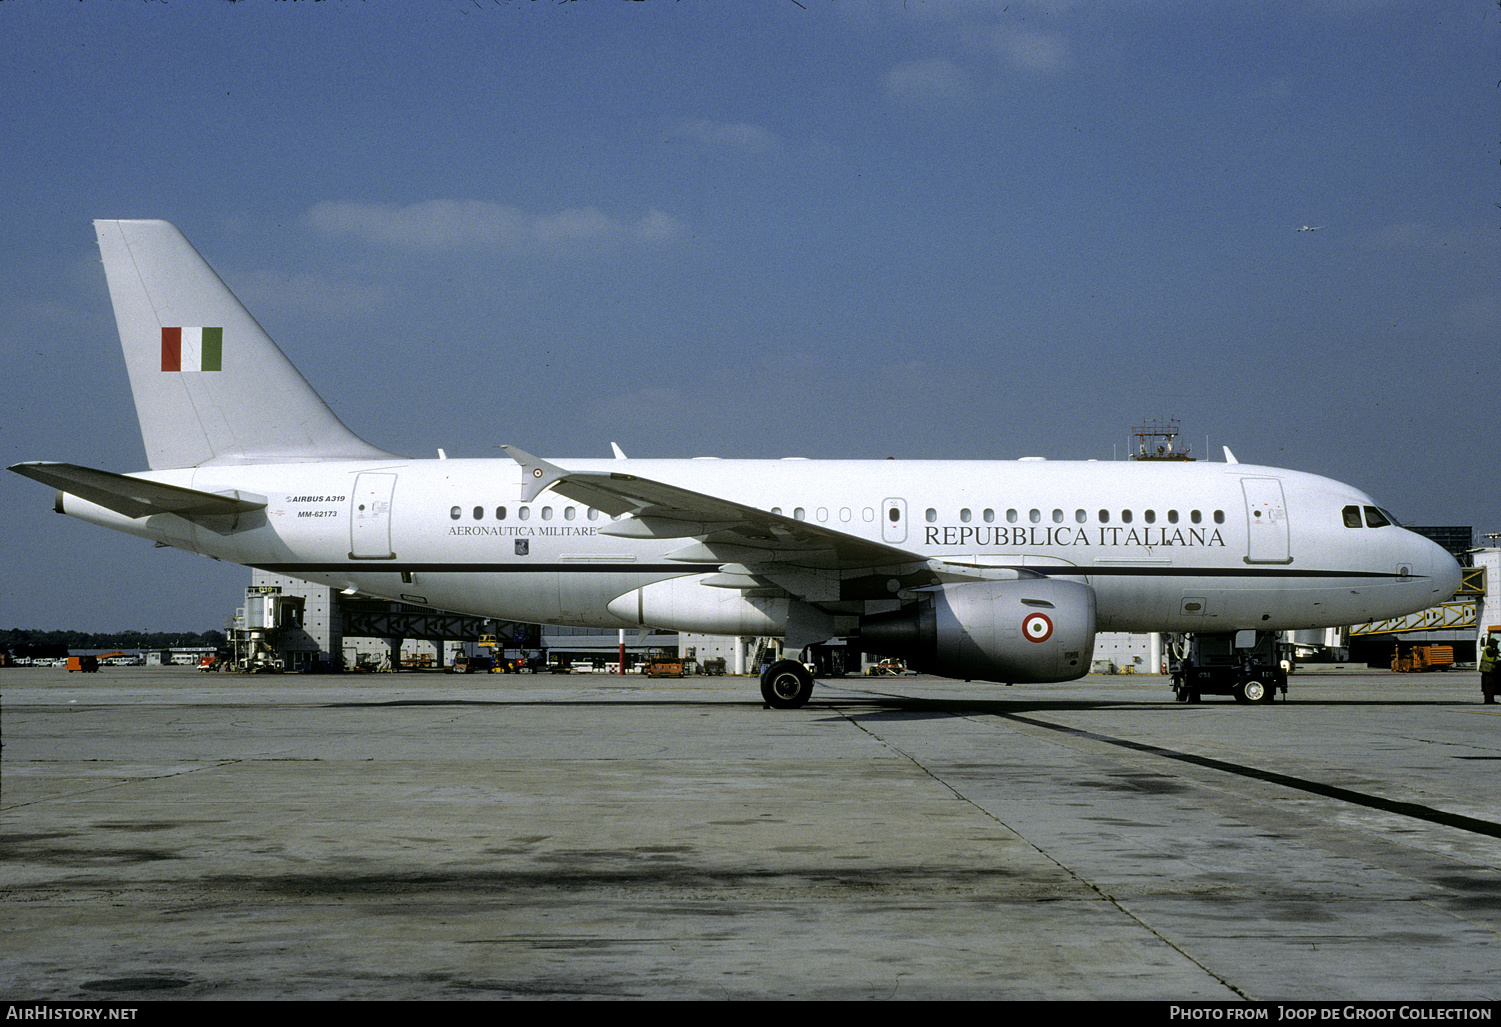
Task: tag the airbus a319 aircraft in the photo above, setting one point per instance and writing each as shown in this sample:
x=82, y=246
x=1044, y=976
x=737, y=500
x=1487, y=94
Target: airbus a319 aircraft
x=988, y=570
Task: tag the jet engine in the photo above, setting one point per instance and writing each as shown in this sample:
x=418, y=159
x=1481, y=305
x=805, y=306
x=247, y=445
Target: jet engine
x=1030, y=630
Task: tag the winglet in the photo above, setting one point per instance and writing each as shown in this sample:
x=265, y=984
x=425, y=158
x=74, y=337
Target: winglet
x=537, y=474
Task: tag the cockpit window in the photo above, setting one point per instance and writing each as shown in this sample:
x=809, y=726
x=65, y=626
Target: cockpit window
x=1352, y=516
x=1375, y=518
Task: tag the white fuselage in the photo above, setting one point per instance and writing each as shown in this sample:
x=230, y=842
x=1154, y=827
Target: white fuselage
x=1165, y=546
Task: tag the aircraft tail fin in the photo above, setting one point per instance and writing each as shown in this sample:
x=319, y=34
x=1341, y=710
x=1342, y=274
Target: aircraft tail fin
x=210, y=385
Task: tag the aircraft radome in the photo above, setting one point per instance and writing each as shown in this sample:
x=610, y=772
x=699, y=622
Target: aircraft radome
x=997, y=570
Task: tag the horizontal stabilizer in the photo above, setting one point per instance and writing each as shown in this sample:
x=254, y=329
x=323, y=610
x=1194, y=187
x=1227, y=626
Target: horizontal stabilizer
x=136, y=497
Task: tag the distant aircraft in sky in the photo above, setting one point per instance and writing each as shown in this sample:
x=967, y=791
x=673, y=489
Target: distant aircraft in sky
x=1310, y=228
x=998, y=570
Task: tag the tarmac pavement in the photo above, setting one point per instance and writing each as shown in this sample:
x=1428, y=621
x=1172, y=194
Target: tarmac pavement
x=168, y=834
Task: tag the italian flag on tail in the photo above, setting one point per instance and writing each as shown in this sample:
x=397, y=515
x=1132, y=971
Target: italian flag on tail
x=192, y=349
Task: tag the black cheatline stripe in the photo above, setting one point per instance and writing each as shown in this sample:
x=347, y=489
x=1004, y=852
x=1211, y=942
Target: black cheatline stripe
x=1414, y=810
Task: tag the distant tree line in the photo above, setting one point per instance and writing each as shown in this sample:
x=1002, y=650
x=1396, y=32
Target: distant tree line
x=29, y=643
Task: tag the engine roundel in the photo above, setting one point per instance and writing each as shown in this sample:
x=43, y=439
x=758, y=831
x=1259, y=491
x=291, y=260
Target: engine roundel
x=1037, y=627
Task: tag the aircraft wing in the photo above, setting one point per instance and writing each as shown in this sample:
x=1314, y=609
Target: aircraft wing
x=137, y=497
x=759, y=552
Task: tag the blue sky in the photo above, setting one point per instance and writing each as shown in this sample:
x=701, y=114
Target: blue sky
x=753, y=229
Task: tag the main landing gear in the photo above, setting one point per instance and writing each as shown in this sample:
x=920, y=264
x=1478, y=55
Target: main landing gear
x=786, y=685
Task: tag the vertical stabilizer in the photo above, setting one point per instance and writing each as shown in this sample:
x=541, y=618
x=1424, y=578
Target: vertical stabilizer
x=209, y=384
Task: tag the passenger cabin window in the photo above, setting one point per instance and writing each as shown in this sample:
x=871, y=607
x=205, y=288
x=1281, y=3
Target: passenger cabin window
x=1104, y=516
x=1125, y=516
x=989, y=515
x=500, y=513
x=1219, y=517
x=456, y=513
x=931, y=515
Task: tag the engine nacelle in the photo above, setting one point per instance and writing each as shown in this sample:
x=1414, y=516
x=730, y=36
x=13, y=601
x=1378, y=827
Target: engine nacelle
x=1030, y=630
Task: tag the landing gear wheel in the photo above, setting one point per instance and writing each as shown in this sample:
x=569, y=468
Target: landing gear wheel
x=786, y=685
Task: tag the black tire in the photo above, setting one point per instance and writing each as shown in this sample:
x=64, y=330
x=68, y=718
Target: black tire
x=786, y=685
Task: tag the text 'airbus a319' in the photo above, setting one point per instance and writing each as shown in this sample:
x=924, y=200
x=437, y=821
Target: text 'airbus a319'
x=988, y=570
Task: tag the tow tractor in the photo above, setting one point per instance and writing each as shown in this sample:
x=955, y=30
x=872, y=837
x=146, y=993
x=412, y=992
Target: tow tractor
x=1246, y=665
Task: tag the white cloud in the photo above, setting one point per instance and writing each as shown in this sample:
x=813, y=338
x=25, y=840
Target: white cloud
x=1027, y=50
x=978, y=46
x=739, y=137
x=311, y=292
x=481, y=225
x=927, y=80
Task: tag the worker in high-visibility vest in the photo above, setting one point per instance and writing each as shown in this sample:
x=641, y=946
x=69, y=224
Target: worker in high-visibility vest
x=1488, y=670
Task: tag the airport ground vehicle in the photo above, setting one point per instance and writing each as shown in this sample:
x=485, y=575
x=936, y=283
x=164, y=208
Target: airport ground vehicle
x=660, y=665
x=1422, y=658
x=1246, y=665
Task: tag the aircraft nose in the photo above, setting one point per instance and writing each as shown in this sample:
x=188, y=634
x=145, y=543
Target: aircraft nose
x=1444, y=572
